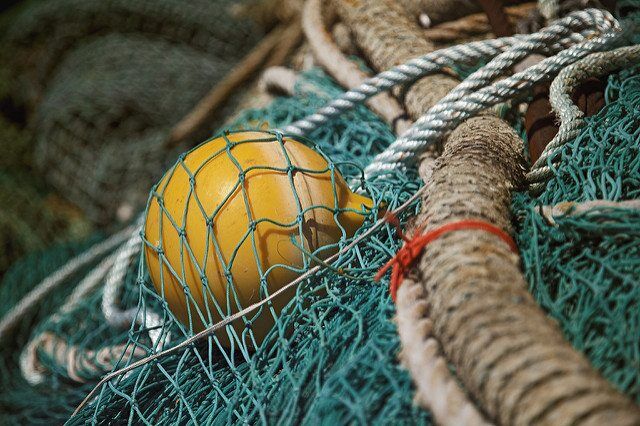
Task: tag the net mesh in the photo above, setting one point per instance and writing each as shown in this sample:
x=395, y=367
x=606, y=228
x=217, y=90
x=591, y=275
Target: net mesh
x=107, y=80
x=584, y=270
x=332, y=356
x=338, y=362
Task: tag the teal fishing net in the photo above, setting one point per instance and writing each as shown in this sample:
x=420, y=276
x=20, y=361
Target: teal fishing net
x=332, y=357
x=584, y=269
x=338, y=362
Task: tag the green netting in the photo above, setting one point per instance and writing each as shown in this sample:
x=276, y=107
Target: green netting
x=107, y=80
x=332, y=358
x=585, y=270
x=335, y=362
x=31, y=216
x=21, y=403
x=41, y=33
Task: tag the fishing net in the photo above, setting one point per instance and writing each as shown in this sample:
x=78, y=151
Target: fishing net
x=41, y=33
x=144, y=87
x=26, y=202
x=107, y=80
x=332, y=355
x=584, y=268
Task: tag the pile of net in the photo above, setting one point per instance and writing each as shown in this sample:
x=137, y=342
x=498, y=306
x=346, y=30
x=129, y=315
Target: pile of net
x=107, y=80
x=85, y=84
x=332, y=355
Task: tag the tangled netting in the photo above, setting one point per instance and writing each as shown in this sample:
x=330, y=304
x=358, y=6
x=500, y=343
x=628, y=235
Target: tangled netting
x=584, y=269
x=332, y=357
x=107, y=80
x=26, y=202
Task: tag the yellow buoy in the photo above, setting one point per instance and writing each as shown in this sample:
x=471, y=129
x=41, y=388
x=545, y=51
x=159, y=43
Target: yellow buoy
x=228, y=220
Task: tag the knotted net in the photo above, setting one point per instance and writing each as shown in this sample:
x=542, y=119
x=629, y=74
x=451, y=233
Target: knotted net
x=339, y=364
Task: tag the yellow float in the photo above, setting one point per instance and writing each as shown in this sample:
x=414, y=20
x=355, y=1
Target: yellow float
x=229, y=213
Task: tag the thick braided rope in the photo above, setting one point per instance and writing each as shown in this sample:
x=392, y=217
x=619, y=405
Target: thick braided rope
x=477, y=93
x=571, y=117
x=436, y=387
x=512, y=359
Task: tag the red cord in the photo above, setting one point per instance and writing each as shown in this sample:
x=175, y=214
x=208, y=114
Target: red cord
x=403, y=260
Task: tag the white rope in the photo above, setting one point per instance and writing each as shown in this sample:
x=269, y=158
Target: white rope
x=117, y=317
x=31, y=369
x=114, y=267
x=477, y=93
x=13, y=317
x=567, y=38
x=575, y=208
x=460, y=54
x=571, y=117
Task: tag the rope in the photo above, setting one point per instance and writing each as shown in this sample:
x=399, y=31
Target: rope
x=95, y=363
x=114, y=282
x=572, y=208
x=571, y=117
x=13, y=317
x=31, y=369
x=346, y=72
x=115, y=279
x=278, y=79
x=436, y=387
x=411, y=250
x=553, y=39
x=475, y=93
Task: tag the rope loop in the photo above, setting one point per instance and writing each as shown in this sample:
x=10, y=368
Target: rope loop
x=401, y=263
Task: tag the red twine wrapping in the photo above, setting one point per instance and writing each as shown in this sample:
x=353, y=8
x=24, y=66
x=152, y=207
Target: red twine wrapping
x=404, y=258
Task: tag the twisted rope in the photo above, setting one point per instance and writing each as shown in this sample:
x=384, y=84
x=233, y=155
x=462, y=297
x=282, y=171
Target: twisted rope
x=476, y=93
x=115, y=280
x=30, y=367
x=571, y=117
x=345, y=71
x=94, y=363
x=402, y=74
x=572, y=208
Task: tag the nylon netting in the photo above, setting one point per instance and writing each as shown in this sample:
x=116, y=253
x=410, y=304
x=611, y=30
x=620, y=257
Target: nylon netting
x=332, y=356
x=338, y=364
x=584, y=270
x=107, y=79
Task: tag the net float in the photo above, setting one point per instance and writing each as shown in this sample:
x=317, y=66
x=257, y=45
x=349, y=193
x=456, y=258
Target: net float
x=236, y=219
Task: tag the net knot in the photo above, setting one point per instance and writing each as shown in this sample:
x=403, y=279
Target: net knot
x=404, y=259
